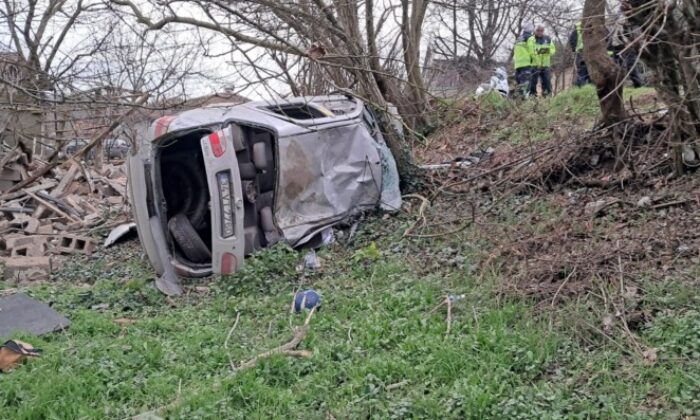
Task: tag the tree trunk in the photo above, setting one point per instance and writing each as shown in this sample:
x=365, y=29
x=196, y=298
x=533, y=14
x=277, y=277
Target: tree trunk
x=668, y=41
x=605, y=73
x=411, y=31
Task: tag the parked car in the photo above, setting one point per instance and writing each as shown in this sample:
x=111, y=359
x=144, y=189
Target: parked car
x=116, y=148
x=213, y=185
x=74, y=145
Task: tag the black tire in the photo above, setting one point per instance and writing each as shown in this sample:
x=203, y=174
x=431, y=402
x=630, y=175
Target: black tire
x=187, y=238
x=190, y=196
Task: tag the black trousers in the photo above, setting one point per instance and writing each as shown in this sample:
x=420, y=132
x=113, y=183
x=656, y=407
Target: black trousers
x=544, y=75
x=582, y=76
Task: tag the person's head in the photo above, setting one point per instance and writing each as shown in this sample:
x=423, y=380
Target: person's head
x=539, y=31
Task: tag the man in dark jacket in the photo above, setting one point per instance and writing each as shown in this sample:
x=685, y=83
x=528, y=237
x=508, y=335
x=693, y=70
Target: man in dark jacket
x=576, y=44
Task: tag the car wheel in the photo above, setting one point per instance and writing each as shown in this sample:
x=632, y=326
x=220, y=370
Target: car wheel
x=187, y=238
x=191, y=192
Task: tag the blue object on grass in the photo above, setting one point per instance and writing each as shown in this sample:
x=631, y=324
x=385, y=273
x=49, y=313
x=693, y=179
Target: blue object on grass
x=307, y=299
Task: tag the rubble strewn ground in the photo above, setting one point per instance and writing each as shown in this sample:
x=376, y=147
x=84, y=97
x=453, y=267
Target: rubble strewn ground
x=572, y=289
x=56, y=215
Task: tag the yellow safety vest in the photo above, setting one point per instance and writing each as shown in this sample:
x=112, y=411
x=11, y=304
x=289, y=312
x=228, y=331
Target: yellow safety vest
x=543, y=52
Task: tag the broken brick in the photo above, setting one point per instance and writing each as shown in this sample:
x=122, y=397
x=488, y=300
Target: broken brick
x=22, y=269
x=115, y=200
x=45, y=229
x=32, y=226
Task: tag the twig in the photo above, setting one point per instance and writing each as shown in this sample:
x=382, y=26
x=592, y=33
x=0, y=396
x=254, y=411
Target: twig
x=449, y=316
x=421, y=212
x=397, y=385
x=669, y=204
x=561, y=286
x=288, y=349
x=228, y=337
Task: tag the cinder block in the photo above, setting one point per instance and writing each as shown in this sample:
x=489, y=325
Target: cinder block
x=21, y=269
x=32, y=226
x=26, y=246
x=46, y=229
x=74, y=244
x=115, y=200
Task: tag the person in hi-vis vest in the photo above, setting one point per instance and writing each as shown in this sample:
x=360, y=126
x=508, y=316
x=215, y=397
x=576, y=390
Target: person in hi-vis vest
x=543, y=49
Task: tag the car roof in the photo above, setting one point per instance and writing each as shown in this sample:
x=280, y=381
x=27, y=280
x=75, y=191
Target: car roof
x=259, y=113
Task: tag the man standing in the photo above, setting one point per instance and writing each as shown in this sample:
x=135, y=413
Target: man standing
x=544, y=49
x=624, y=54
x=522, y=60
x=576, y=44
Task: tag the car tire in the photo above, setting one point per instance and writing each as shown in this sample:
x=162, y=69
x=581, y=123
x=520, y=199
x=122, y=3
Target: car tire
x=187, y=238
x=195, y=201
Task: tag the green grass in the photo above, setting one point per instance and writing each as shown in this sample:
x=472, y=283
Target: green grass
x=538, y=119
x=375, y=330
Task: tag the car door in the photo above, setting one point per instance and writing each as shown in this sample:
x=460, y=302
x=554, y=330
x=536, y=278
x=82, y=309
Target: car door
x=224, y=181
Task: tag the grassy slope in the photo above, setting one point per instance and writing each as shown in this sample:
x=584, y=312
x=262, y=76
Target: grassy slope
x=502, y=358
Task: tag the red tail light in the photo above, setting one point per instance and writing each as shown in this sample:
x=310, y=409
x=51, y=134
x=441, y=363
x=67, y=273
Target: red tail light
x=229, y=263
x=217, y=146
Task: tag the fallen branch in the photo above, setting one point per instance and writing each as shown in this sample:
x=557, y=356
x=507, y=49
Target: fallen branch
x=421, y=212
x=228, y=337
x=288, y=349
x=397, y=385
x=448, y=301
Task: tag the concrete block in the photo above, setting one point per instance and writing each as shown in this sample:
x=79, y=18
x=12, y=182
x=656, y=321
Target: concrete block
x=26, y=246
x=32, y=226
x=46, y=229
x=22, y=269
x=74, y=244
x=115, y=200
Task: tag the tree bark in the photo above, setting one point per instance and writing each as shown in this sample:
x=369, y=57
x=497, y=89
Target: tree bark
x=605, y=73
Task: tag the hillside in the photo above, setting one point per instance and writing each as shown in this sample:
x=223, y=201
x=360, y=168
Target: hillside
x=571, y=282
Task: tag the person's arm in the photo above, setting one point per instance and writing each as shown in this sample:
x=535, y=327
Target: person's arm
x=552, y=47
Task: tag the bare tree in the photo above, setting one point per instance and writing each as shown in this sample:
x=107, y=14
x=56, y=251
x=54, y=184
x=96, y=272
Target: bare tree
x=667, y=36
x=605, y=73
x=72, y=67
x=328, y=35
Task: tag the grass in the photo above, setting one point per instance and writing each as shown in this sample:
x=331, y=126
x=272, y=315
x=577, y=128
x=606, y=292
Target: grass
x=379, y=351
x=537, y=120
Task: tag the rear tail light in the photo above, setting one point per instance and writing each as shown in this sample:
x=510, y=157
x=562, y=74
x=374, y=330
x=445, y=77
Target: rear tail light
x=229, y=263
x=218, y=147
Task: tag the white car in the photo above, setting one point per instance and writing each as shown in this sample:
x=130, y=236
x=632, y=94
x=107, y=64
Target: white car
x=212, y=185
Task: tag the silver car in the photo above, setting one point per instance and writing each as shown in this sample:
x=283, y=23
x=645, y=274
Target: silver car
x=212, y=185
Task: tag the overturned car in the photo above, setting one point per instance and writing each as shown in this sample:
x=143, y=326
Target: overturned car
x=212, y=185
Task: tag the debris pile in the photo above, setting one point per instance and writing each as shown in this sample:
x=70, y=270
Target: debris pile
x=54, y=214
